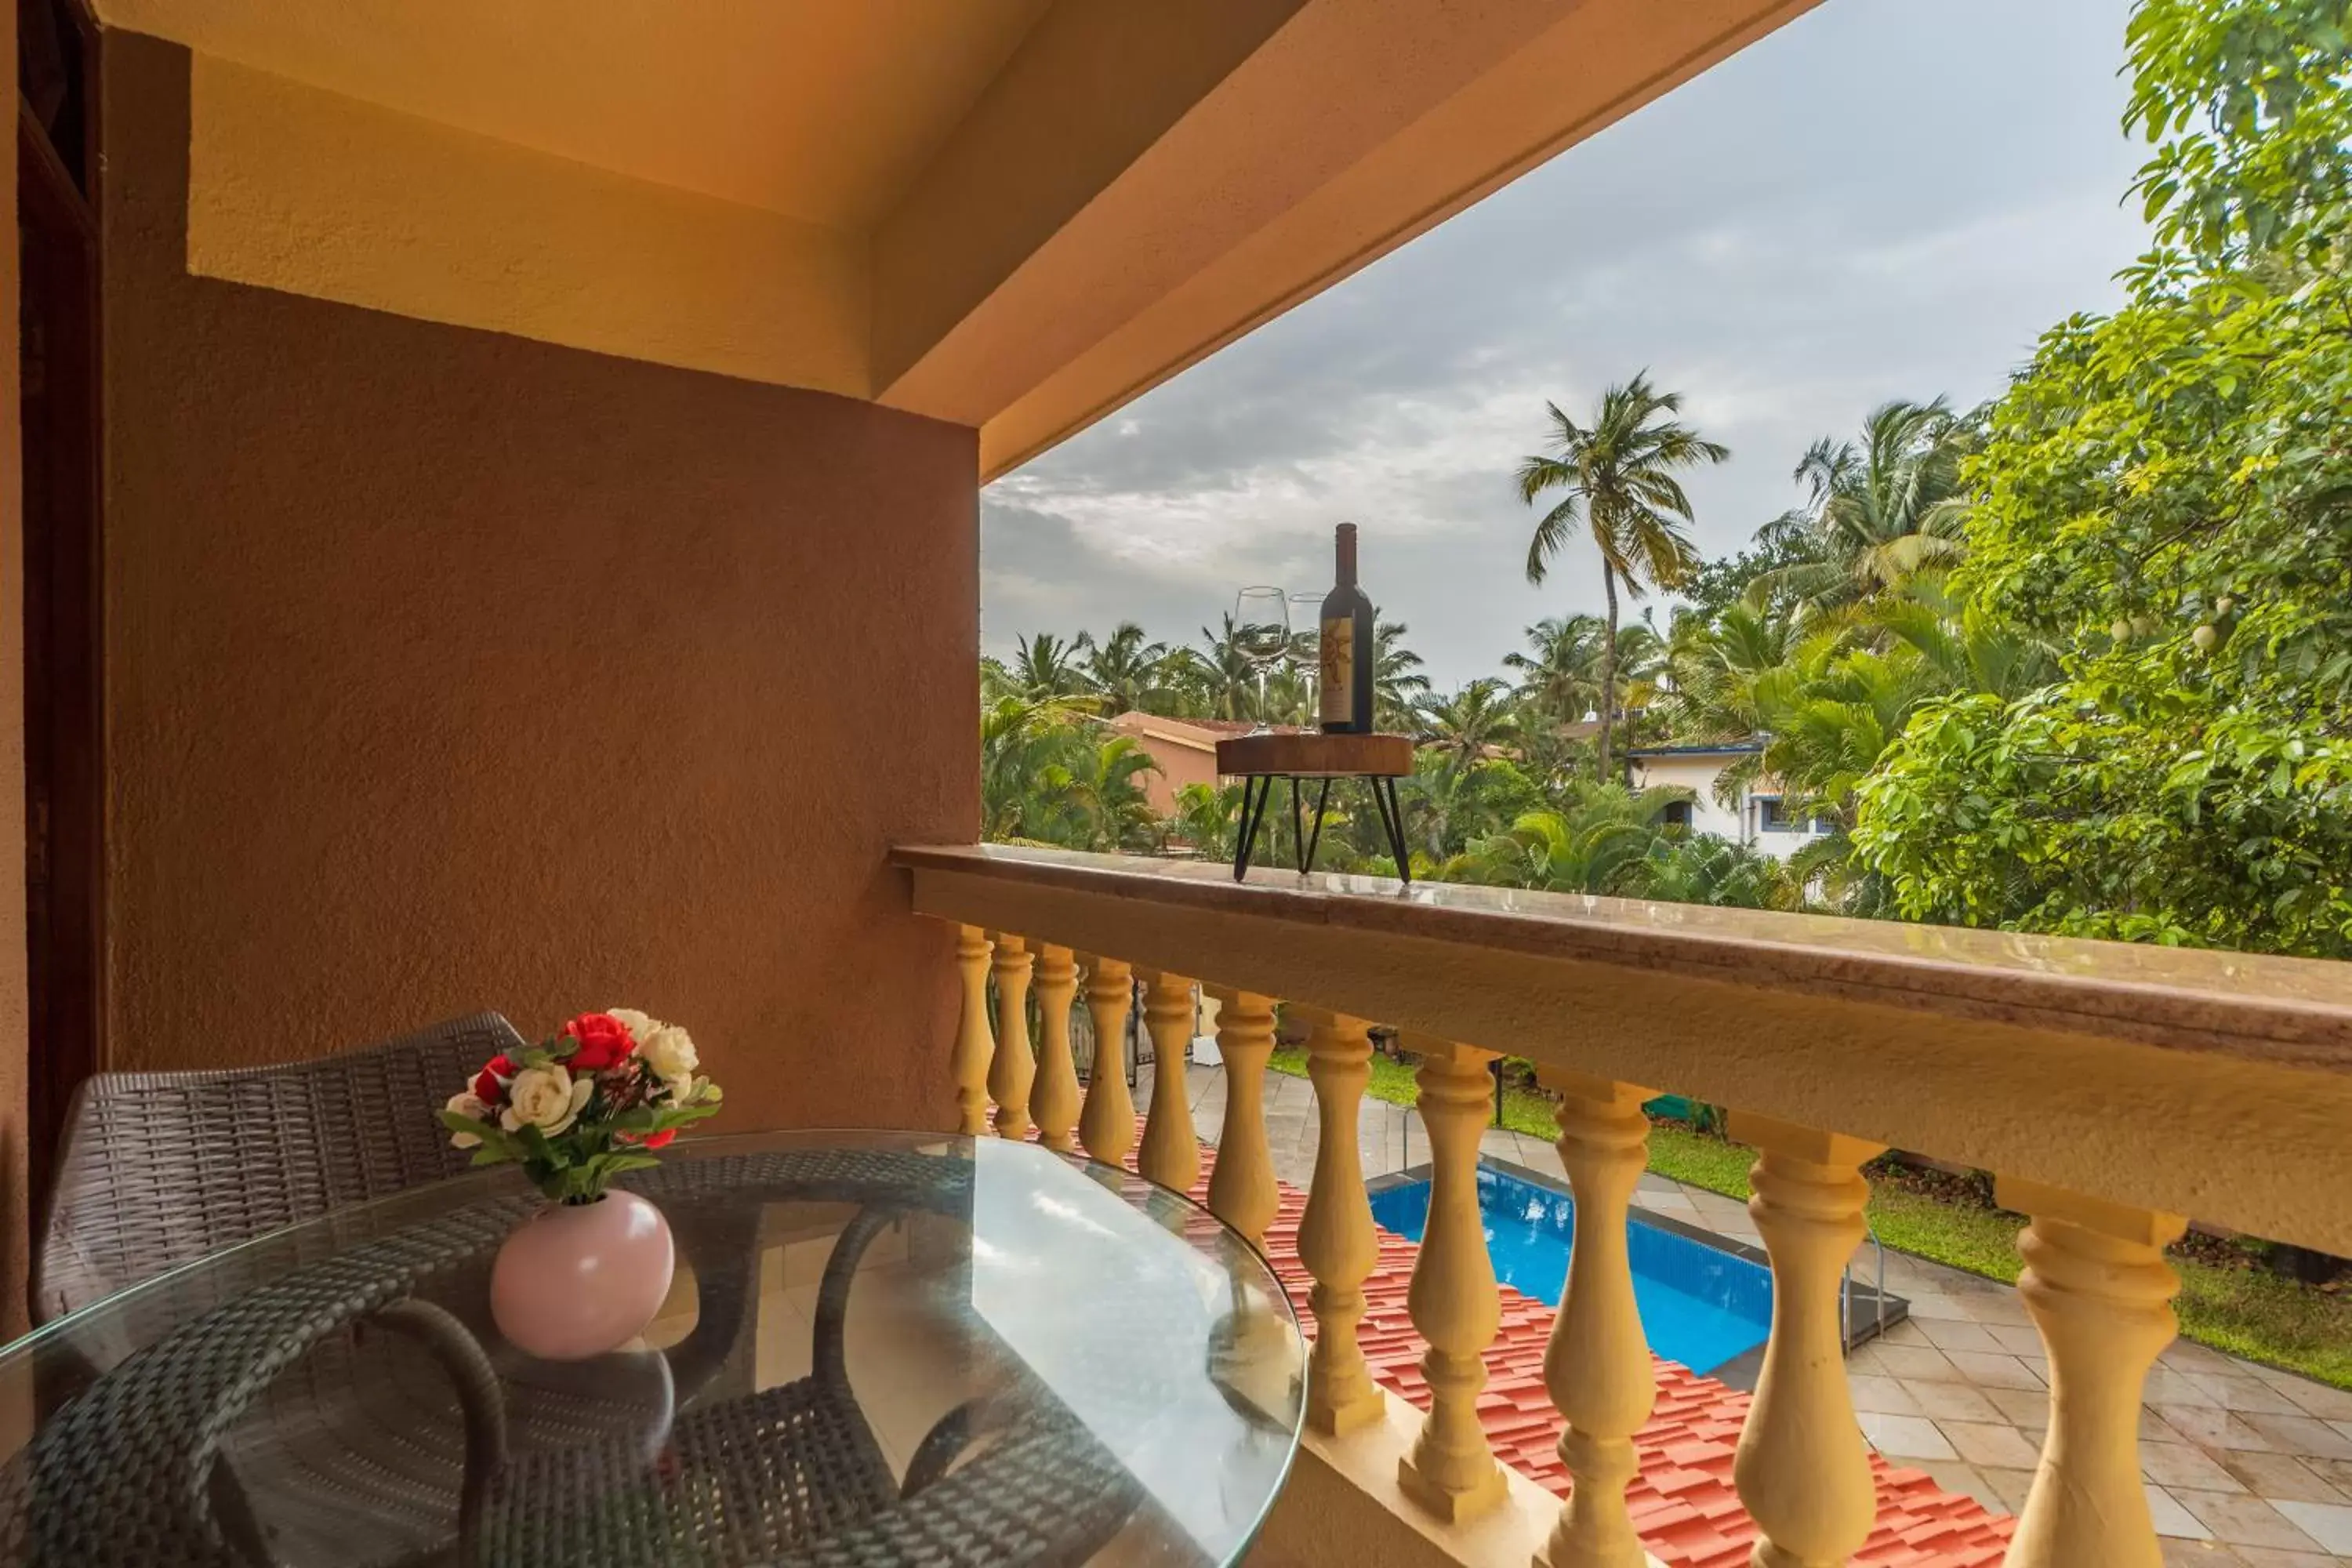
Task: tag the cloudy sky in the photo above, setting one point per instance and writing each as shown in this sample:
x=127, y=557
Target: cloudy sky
x=1887, y=198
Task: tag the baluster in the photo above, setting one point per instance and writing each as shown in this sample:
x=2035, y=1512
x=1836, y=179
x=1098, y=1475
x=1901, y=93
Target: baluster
x=1009, y=1076
x=1242, y=1190
x=1107, y=1125
x=2100, y=1291
x=1451, y=1470
x=1171, y=1152
x=974, y=1045
x=1055, y=1100
x=1597, y=1365
x=1802, y=1469
x=1336, y=1239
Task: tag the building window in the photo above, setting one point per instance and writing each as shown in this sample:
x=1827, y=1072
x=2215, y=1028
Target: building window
x=1772, y=817
x=1678, y=814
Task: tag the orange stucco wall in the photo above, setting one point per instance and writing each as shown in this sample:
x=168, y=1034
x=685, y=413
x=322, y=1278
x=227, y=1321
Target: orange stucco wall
x=1179, y=766
x=450, y=669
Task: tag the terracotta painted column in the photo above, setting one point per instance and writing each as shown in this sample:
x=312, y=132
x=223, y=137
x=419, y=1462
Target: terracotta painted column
x=2100, y=1291
x=1107, y=1124
x=1009, y=1076
x=1597, y=1365
x=1055, y=1098
x=1451, y=1471
x=1802, y=1470
x=1170, y=1154
x=974, y=1045
x=1242, y=1188
x=1336, y=1238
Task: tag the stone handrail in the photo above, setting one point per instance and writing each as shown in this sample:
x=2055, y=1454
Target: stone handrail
x=2114, y=1090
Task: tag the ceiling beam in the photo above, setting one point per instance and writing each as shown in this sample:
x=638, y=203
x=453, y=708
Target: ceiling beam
x=1060, y=256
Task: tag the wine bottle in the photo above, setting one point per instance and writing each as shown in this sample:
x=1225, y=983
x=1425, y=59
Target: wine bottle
x=1345, y=697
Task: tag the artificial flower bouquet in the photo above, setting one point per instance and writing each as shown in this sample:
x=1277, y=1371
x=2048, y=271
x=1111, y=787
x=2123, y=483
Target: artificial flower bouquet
x=578, y=1110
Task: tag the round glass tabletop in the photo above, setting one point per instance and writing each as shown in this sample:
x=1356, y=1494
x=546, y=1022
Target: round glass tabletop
x=878, y=1347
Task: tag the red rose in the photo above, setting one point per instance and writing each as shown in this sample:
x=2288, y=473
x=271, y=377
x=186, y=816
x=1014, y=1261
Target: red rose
x=603, y=1039
x=490, y=1083
x=653, y=1140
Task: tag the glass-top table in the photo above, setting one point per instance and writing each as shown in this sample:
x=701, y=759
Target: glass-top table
x=880, y=1347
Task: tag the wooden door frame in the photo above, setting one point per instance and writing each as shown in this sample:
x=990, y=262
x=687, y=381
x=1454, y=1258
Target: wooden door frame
x=65, y=766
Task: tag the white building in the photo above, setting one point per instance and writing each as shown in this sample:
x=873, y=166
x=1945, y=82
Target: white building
x=1758, y=819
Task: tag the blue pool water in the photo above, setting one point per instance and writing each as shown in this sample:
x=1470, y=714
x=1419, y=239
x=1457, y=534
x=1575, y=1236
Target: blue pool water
x=1700, y=1306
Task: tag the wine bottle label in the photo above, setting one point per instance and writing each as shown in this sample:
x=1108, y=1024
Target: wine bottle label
x=1339, y=669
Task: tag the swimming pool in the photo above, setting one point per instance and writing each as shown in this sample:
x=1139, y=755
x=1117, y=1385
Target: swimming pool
x=1700, y=1305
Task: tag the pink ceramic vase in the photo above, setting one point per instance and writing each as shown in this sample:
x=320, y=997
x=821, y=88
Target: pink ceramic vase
x=577, y=1280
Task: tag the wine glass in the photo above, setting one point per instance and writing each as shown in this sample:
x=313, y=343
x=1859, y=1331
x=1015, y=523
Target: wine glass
x=1262, y=635
x=1307, y=647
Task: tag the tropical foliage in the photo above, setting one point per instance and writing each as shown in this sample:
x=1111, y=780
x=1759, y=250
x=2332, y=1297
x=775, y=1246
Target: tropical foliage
x=2079, y=660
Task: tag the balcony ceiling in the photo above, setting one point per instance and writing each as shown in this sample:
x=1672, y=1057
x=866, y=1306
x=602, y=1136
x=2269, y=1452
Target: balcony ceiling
x=1015, y=215
x=817, y=110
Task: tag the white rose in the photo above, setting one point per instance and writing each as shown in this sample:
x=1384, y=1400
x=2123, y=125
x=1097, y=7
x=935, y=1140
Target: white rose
x=545, y=1098
x=472, y=1110
x=641, y=1026
x=669, y=1052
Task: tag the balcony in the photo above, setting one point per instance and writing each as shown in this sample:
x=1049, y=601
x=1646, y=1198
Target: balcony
x=2114, y=1092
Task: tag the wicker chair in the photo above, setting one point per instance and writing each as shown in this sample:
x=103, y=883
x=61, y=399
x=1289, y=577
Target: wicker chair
x=136, y=1194
x=139, y=1192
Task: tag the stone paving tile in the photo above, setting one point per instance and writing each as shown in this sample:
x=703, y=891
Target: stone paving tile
x=1880, y=1394
x=2329, y=1524
x=2271, y=1557
x=1907, y=1438
x=2237, y=1520
x=1967, y=1480
x=1952, y=1402
x=1991, y=1443
x=2282, y=1477
x=2178, y=1554
x=2301, y=1435
x=2185, y=1465
x=2171, y=1518
x=2213, y=1428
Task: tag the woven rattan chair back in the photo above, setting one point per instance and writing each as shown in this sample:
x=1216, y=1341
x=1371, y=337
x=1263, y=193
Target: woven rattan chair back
x=159, y=1168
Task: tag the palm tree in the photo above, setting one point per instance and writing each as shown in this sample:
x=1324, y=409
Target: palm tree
x=1464, y=725
x=1128, y=671
x=1100, y=787
x=1560, y=679
x=1222, y=678
x=1619, y=484
x=1398, y=685
x=1878, y=510
x=1047, y=667
x=1596, y=842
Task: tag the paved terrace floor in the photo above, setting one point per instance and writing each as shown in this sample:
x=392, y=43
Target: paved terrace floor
x=2246, y=1467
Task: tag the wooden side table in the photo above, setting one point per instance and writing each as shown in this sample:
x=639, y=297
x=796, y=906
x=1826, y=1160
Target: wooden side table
x=1258, y=761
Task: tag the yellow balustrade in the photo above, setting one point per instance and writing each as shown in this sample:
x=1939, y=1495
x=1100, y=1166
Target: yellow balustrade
x=1802, y=1469
x=1451, y=1470
x=1009, y=1076
x=1107, y=1124
x=1336, y=1238
x=1170, y=1154
x=1055, y=1098
x=2099, y=1288
x=1597, y=1365
x=2231, y=1061
x=974, y=1044
x=1241, y=1189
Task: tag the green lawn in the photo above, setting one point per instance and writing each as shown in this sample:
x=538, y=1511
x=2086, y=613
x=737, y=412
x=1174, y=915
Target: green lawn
x=2244, y=1311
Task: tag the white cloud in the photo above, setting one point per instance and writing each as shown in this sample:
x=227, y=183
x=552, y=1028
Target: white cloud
x=1786, y=256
